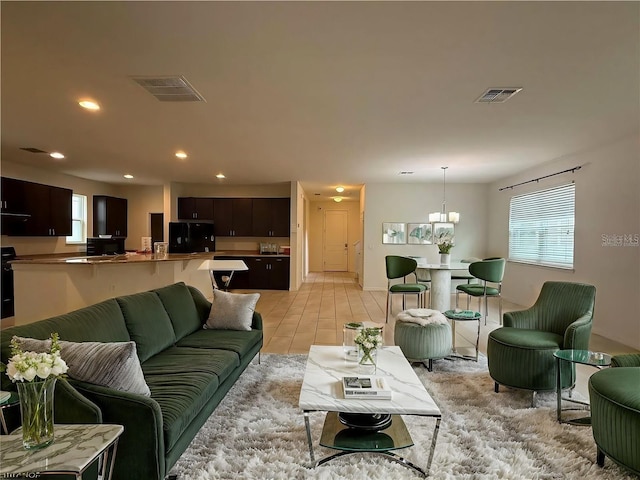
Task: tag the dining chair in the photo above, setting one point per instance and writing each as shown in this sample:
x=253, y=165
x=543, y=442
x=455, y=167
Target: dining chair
x=488, y=272
x=401, y=267
x=422, y=274
x=462, y=274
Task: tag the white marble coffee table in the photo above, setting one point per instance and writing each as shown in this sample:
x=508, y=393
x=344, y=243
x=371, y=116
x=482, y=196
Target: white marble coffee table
x=321, y=391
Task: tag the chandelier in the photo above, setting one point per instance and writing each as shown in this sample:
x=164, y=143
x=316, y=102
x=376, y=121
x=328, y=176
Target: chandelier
x=442, y=216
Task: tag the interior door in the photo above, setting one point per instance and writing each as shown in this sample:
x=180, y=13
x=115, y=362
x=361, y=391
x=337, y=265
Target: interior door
x=336, y=250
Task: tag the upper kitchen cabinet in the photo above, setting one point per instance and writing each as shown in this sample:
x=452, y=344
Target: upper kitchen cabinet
x=271, y=217
x=232, y=217
x=194, y=208
x=109, y=216
x=13, y=206
x=35, y=210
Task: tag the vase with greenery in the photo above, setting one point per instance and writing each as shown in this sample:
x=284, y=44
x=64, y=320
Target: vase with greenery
x=444, y=247
x=368, y=340
x=35, y=375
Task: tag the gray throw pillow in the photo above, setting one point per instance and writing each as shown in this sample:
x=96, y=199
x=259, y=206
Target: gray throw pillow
x=114, y=365
x=232, y=311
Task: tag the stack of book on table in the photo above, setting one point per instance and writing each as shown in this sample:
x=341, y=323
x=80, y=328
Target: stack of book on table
x=366, y=387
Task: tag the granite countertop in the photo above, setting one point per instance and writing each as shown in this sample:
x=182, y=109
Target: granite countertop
x=247, y=253
x=129, y=258
x=109, y=259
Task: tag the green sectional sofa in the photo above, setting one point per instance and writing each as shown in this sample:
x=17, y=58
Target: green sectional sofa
x=188, y=370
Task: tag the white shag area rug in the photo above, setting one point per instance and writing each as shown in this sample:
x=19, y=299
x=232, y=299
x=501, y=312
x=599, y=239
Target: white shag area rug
x=258, y=432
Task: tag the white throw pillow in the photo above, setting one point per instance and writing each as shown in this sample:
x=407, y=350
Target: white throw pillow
x=115, y=365
x=232, y=311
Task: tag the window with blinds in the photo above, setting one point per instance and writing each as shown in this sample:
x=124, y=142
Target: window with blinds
x=78, y=219
x=541, y=227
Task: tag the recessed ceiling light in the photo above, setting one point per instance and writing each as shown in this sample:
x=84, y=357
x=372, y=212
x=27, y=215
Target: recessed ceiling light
x=220, y=175
x=89, y=105
x=56, y=155
x=181, y=154
x=128, y=176
x=337, y=199
x=339, y=189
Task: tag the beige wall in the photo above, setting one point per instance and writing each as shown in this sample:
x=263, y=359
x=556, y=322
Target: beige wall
x=316, y=231
x=607, y=202
x=141, y=201
x=411, y=203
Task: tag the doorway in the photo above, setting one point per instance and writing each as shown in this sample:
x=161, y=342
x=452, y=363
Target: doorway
x=157, y=227
x=336, y=246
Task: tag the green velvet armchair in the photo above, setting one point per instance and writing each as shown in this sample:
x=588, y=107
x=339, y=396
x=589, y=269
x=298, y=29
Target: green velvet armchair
x=520, y=354
x=614, y=395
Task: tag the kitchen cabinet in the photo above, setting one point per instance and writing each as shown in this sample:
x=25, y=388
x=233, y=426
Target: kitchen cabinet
x=35, y=210
x=268, y=273
x=239, y=217
x=13, y=206
x=232, y=217
x=109, y=216
x=264, y=273
x=240, y=279
x=194, y=208
x=271, y=217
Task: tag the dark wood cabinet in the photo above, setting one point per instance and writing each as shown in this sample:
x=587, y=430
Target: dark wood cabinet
x=239, y=280
x=109, y=216
x=35, y=210
x=232, y=217
x=239, y=217
x=13, y=206
x=271, y=217
x=195, y=208
x=268, y=273
x=264, y=273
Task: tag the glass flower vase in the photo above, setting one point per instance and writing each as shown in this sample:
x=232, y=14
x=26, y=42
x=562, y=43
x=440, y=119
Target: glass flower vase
x=367, y=359
x=36, y=411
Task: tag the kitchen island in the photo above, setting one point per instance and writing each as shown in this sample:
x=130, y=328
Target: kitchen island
x=48, y=285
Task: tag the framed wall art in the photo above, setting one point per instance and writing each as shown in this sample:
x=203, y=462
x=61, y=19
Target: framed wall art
x=394, y=233
x=419, y=233
x=443, y=232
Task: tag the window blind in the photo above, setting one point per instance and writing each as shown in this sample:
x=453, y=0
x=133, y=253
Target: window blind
x=78, y=219
x=541, y=227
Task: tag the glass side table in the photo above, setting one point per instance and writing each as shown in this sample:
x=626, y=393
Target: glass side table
x=11, y=401
x=584, y=357
x=463, y=316
x=75, y=448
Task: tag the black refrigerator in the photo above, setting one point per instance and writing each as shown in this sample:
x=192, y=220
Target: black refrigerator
x=188, y=237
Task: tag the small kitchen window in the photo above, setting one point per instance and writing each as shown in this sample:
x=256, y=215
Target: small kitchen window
x=78, y=219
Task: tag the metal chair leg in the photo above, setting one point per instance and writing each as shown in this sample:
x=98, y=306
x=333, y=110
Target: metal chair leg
x=388, y=298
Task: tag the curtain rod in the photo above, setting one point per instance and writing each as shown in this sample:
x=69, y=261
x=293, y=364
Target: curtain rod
x=540, y=178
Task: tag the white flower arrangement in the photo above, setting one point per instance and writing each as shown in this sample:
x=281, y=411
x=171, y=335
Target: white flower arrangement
x=26, y=366
x=368, y=340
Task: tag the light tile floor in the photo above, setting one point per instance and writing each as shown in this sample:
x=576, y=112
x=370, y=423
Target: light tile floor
x=315, y=314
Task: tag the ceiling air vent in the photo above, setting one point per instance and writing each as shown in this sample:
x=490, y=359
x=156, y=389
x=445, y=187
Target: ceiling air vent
x=169, y=88
x=32, y=150
x=498, y=95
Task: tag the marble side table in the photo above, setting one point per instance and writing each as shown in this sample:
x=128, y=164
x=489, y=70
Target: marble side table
x=75, y=448
x=11, y=401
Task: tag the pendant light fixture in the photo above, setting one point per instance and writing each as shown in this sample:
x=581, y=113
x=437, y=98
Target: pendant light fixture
x=442, y=216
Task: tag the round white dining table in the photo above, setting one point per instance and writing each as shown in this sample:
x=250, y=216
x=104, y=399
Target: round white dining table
x=441, y=282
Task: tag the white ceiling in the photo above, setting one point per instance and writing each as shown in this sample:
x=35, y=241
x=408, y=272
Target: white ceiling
x=326, y=93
